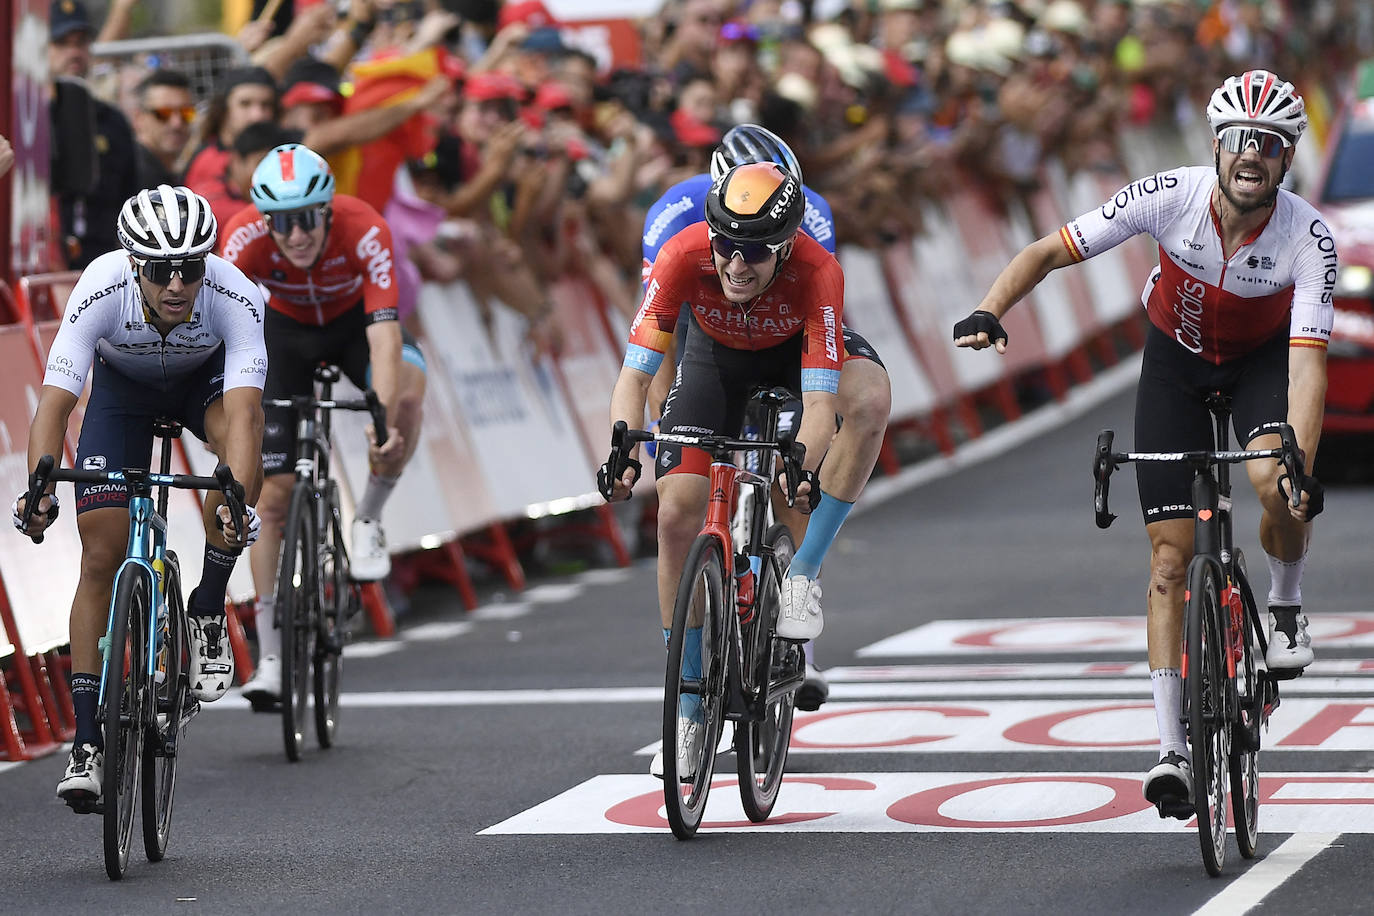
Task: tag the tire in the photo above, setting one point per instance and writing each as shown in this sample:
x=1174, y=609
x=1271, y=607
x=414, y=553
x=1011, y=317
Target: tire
x=1245, y=726
x=1204, y=695
x=296, y=597
x=336, y=594
x=702, y=590
x=761, y=744
x=122, y=710
x=162, y=740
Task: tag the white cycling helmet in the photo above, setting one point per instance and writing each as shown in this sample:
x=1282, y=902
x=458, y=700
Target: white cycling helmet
x=167, y=224
x=1258, y=98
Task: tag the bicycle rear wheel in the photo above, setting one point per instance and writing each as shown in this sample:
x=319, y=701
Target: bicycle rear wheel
x=160, y=742
x=1245, y=724
x=761, y=745
x=122, y=711
x=694, y=686
x=1204, y=696
x=296, y=597
x=336, y=593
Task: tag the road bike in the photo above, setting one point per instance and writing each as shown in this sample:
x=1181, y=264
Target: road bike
x=731, y=591
x=145, y=687
x=316, y=597
x=1228, y=693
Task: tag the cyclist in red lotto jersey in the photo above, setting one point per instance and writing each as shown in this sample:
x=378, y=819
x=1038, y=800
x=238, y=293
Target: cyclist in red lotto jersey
x=766, y=305
x=326, y=260
x=1241, y=303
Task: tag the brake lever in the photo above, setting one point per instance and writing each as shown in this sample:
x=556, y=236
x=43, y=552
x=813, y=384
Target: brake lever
x=1292, y=473
x=233, y=495
x=607, y=482
x=378, y=411
x=38, y=482
x=1103, y=465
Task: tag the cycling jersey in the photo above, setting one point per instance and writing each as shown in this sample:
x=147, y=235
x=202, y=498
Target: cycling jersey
x=1215, y=307
x=105, y=316
x=685, y=203
x=356, y=264
x=806, y=298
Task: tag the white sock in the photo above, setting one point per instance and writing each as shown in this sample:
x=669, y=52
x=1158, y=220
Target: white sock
x=269, y=637
x=1285, y=580
x=1167, y=686
x=375, y=495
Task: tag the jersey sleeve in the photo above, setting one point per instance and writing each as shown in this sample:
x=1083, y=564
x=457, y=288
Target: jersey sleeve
x=92, y=309
x=823, y=344
x=238, y=317
x=1145, y=205
x=651, y=332
x=371, y=254
x=1315, y=268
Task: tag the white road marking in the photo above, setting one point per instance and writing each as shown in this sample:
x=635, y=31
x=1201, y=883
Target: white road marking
x=503, y=611
x=372, y=649
x=552, y=593
x=432, y=632
x=1262, y=878
x=612, y=576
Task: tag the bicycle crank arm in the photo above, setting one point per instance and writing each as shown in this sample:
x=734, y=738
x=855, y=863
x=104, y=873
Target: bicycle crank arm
x=782, y=688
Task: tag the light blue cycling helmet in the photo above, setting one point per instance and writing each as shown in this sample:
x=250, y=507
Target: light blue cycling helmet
x=746, y=143
x=291, y=177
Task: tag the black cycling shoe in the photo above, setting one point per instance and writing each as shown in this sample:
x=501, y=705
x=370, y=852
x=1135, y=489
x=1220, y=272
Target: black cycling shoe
x=1169, y=787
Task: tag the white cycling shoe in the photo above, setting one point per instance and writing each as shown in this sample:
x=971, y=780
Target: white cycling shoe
x=212, y=660
x=369, y=559
x=1290, y=648
x=686, y=766
x=1169, y=786
x=263, y=689
x=800, y=617
x=80, y=784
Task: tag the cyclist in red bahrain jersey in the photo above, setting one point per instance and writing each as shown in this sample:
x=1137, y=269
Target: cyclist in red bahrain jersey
x=1241, y=303
x=326, y=260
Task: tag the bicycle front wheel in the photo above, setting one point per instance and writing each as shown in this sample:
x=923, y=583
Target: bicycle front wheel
x=1204, y=695
x=336, y=595
x=122, y=710
x=694, y=686
x=170, y=689
x=1245, y=724
x=296, y=597
x=761, y=744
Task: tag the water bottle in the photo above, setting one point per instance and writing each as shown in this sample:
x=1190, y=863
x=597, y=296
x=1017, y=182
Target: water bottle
x=744, y=588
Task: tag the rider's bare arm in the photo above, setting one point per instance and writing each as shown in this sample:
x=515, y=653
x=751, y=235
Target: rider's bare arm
x=1306, y=397
x=1031, y=265
x=817, y=426
x=384, y=345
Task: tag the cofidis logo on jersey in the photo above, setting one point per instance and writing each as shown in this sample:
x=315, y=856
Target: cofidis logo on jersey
x=1136, y=190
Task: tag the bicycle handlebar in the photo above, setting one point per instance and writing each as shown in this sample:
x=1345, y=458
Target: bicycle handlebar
x=623, y=439
x=46, y=472
x=1105, y=461
x=369, y=402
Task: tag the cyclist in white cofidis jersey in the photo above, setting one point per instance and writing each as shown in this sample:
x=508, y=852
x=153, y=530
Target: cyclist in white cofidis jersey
x=1241, y=303
x=171, y=331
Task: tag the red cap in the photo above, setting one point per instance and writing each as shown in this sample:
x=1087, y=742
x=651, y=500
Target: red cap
x=691, y=132
x=531, y=12
x=490, y=86
x=552, y=95
x=305, y=93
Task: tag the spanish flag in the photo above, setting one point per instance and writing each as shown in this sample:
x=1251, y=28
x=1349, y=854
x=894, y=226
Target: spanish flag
x=383, y=81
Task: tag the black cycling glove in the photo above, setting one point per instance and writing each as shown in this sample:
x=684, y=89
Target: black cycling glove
x=979, y=322
x=605, y=478
x=1316, y=495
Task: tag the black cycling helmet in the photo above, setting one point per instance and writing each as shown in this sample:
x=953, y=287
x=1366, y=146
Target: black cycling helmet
x=757, y=202
x=745, y=143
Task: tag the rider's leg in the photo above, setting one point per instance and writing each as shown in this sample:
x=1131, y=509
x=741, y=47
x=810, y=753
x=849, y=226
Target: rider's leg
x=104, y=539
x=264, y=556
x=1285, y=541
x=681, y=512
x=406, y=418
x=1169, y=783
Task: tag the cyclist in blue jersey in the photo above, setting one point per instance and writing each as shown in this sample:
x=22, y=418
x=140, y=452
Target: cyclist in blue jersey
x=864, y=388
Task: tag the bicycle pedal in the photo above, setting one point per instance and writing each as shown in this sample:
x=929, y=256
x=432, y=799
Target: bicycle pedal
x=261, y=702
x=1286, y=674
x=1176, y=808
x=84, y=804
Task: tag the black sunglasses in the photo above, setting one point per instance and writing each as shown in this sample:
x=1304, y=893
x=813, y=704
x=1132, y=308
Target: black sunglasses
x=160, y=273
x=282, y=222
x=751, y=252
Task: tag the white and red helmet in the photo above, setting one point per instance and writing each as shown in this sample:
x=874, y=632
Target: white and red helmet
x=1258, y=98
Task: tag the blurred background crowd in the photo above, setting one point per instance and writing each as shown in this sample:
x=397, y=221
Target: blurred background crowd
x=506, y=150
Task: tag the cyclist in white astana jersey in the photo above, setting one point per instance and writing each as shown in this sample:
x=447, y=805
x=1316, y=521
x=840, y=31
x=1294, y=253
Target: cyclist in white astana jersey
x=105, y=318
x=173, y=331
x=1241, y=303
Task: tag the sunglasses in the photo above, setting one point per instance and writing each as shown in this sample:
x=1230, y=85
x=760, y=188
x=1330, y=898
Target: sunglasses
x=1267, y=143
x=751, y=252
x=307, y=219
x=165, y=113
x=160, y=273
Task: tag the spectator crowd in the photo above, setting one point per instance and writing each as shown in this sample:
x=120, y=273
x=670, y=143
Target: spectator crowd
x=504, y=154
